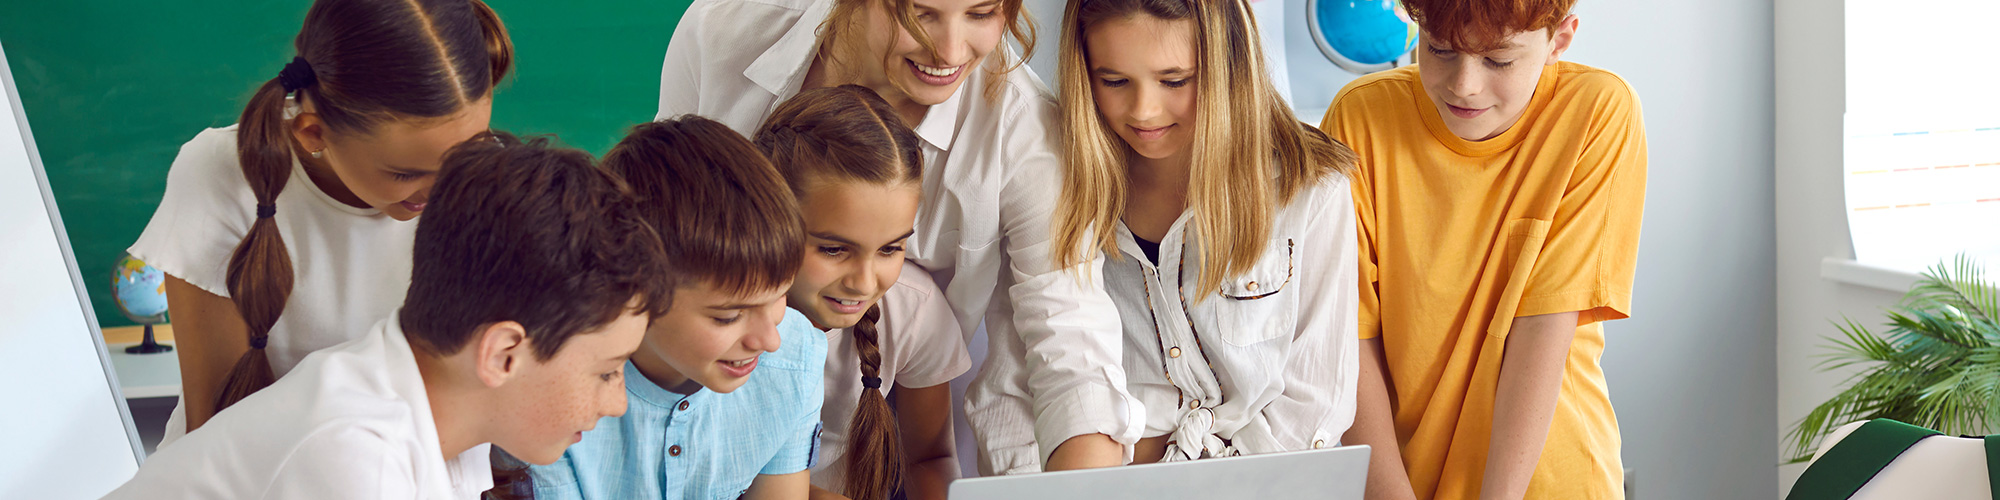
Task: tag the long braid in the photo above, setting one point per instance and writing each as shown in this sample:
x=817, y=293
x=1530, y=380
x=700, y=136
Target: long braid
x=875, y=447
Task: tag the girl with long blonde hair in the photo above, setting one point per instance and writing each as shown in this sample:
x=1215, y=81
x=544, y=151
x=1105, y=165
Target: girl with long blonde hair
x=1230, y=225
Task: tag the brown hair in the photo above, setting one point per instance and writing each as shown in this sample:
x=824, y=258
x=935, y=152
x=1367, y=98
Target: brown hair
x=844, y=133
x=1482, y=25
x=1243, y=133
x=723, y=213
x=574, y=251
x=849, y=133
x=1020, y=25
x=360, y=62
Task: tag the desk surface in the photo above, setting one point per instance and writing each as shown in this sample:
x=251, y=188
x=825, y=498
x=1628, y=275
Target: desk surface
x=144, y=375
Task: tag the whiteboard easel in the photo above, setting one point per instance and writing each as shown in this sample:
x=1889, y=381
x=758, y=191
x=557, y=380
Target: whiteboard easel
x=65, y=431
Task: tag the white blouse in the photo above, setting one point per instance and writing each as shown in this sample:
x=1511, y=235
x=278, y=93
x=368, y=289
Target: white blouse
x=1268, y=362
x=991, y=179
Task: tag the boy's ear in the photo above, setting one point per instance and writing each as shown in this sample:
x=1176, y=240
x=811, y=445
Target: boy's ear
x=499, y=352
x=1559, y=39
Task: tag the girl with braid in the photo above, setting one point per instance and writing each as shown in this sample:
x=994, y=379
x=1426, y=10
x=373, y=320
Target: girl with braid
x=291, y=230
x=857, y=172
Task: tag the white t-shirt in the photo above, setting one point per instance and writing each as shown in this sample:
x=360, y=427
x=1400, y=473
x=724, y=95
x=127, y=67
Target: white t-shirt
x=350, y=266
x=350, y=421
x=991, y=179
x=921, y=347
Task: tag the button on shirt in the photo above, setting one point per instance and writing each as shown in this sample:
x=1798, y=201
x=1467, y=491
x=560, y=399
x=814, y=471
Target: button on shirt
x=705, y=444
x=1269, y=362
x=991, y=179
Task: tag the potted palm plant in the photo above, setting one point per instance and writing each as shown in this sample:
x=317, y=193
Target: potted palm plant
x=1937, y=365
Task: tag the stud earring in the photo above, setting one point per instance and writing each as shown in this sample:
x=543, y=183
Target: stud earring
x=318, y=154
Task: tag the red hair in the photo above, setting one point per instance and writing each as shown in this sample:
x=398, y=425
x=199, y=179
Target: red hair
x=1482, y=25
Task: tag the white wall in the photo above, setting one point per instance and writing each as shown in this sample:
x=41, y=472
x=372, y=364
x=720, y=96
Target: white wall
x=1811, y=215
x=1691, y=375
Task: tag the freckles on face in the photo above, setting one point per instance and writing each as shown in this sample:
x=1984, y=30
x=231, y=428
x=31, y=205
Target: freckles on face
x=1142, y=71
x=565, y=395
x=392, y=167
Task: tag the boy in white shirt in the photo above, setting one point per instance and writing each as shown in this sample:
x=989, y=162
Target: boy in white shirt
x=537, y=329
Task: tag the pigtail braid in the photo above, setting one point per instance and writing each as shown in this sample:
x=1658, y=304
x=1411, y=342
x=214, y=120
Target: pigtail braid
x=874, y=446
x=260, y=270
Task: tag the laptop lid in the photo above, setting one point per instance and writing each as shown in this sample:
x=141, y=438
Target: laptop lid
x=1327, y=474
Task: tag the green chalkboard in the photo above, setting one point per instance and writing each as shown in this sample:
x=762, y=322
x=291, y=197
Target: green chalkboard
x=112, y=88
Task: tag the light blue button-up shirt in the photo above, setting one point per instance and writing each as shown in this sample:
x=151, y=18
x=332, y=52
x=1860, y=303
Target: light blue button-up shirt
x=703, y=445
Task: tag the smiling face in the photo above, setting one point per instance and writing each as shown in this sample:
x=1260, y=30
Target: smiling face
x=552, y=402
x=1482, y=94
x=712, y=337
x=855, y=232
x=902, y=71
x=392, y=167
x=1142, y=69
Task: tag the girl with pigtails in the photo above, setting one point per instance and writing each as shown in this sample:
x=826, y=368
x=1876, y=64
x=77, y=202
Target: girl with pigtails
x=857, y=172
x=291, y=230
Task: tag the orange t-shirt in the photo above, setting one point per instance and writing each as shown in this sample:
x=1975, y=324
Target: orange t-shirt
x=1459, y=237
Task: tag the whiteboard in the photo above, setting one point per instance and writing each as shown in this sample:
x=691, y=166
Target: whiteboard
x=65, y=431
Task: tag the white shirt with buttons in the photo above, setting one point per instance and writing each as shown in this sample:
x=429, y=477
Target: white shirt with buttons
x=991, y=178
x=1268, y=362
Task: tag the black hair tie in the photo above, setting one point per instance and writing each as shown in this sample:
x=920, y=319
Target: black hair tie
x=265, y=210
x=871, y=382
x=257, y=342
x=297, y=75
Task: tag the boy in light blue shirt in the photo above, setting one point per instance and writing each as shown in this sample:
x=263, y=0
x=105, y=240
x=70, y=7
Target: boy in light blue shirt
x=725, y=390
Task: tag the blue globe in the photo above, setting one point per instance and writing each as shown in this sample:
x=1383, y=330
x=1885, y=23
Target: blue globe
x=1362, y=36
x=140, y=291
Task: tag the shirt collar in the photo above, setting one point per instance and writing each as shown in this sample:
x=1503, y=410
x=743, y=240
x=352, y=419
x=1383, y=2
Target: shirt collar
x=400, y=360
x=940, y=124
x=781, y=67
x=642, y=388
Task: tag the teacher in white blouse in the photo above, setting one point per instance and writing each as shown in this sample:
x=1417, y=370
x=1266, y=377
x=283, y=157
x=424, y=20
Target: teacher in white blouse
x=991, y=179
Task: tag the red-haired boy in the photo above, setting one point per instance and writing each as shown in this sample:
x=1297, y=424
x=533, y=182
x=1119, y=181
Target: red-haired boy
x=1499, y=197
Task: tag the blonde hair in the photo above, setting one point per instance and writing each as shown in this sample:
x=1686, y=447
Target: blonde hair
x=1243, y=133
x=1020, y=25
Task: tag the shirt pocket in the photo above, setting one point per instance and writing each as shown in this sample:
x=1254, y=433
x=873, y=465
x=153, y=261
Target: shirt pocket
x=1514, y=262
x=1260, y=304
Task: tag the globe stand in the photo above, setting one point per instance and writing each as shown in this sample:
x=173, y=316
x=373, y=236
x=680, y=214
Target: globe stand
x=149, y=345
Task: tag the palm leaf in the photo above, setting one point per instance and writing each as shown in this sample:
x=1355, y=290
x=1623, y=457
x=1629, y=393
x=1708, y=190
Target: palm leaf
x=1937, y=364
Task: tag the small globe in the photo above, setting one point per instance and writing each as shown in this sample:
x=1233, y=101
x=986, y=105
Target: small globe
x=140, y=291
x=1362, y=36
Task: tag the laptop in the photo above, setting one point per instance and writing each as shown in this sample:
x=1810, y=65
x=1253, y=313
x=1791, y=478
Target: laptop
x=1327, y=474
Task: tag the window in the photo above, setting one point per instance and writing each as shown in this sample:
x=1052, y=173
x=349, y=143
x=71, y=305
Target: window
x=1922, y=145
